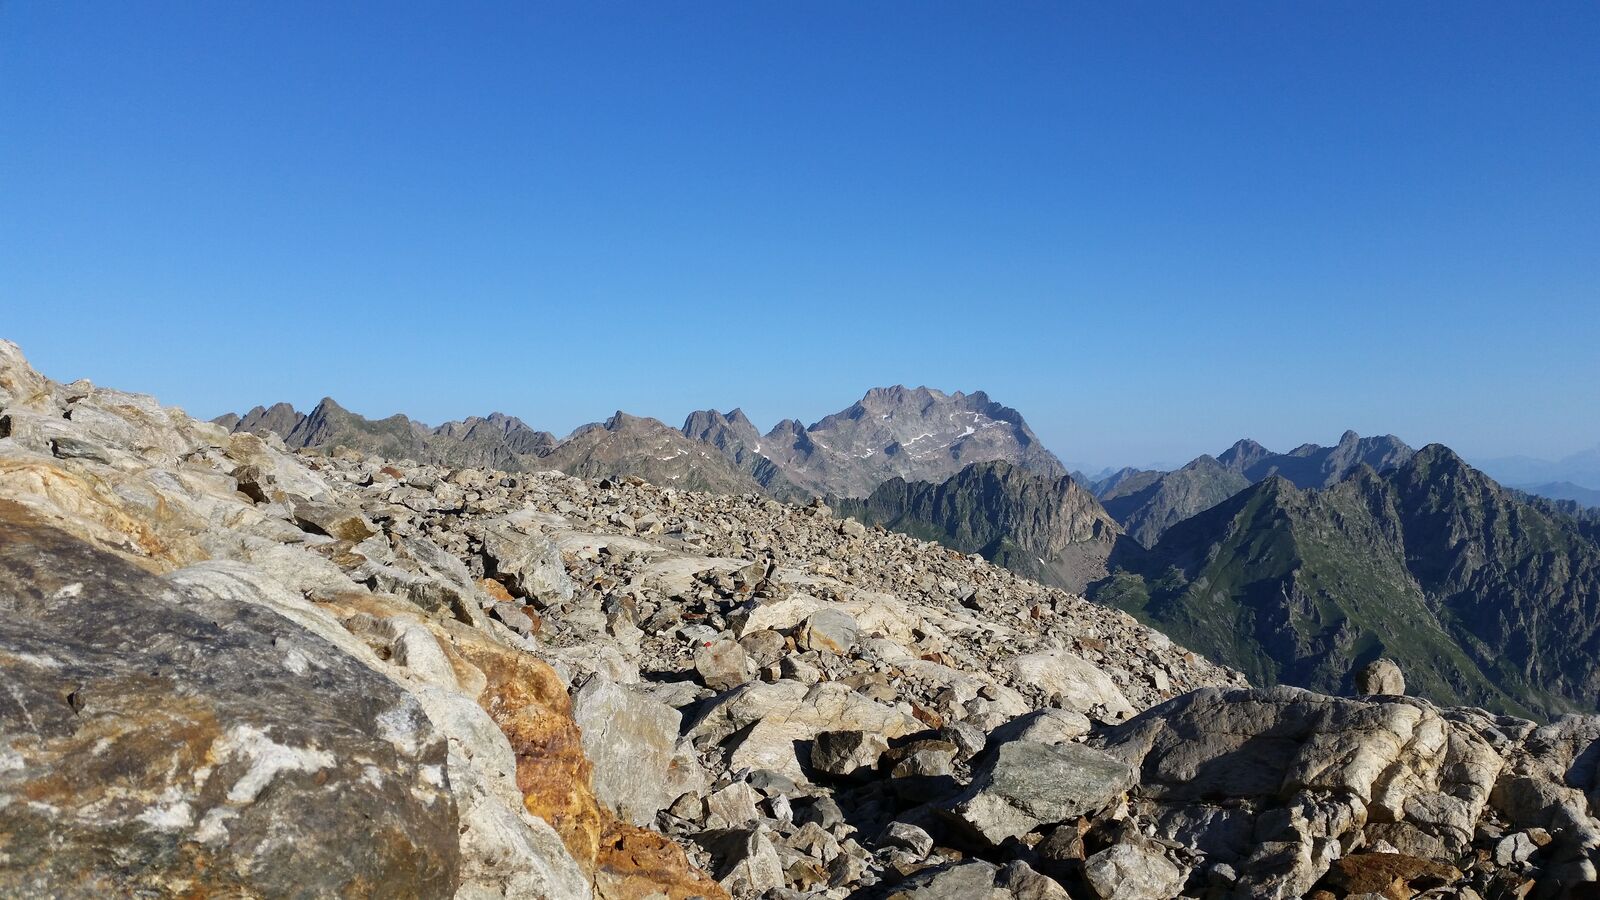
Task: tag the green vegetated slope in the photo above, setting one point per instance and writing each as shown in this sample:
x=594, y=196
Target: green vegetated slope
x=1482, y=597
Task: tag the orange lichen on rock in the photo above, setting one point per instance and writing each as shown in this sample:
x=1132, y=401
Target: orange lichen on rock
x=496, y=590
x=529, y=702
x=635, y=863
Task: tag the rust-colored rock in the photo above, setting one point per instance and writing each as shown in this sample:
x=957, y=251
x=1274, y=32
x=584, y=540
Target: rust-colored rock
x=634, y=864
x=1393, y=875
x=529, y=702
x=496, y=590
x=156, y=538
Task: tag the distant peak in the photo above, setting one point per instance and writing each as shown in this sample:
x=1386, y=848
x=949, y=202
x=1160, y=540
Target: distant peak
x=789, y=425
x=899, y=393
x=1439, y=454
x=620, y=420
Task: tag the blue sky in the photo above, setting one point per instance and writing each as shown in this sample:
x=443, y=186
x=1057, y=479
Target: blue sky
x=1153, y=228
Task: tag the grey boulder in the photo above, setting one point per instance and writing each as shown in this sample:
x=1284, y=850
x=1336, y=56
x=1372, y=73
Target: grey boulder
x=1025, y=785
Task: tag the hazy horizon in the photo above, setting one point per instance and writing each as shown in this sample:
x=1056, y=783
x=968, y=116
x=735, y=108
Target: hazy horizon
x=1151, y=233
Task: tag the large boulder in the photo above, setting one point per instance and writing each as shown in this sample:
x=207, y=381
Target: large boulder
x=971, y=880
x=785, y=714
x=847, y=752
x=529, y=565
x=158, y=742
x=1381, y=676
x=829, y=630
x=631, y=740
x=1024, y=785
x=723, y=665
x=1276, y=782
x=1078, y=685
x=1132, y=871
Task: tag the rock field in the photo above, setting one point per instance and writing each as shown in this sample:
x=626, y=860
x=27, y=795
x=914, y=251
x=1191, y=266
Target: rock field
x=233, y=669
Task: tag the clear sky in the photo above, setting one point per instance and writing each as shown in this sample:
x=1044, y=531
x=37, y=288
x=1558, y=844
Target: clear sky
x=1152, y=227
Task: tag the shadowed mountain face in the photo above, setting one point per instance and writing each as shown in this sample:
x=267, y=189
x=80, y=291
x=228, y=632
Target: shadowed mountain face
x=1049, y=529
x=1148, y=503
x=1481, y=596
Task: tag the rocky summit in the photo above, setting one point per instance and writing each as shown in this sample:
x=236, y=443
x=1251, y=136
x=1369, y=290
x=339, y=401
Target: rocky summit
x=233, y=668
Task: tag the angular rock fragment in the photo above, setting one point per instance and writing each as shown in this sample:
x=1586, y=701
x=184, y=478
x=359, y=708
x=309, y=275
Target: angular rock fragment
x=631, y=739
x=1132, y=871
x=846, y=752
x=723, y=665
x=1025, y=785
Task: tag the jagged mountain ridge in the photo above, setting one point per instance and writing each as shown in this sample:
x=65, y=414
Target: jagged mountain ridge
x=649, y=449
x=497, y=441
x=736, y=438
x=916, y=433
x=1313, y=465
x=1148, y=503
x=1482, y=597
x=1050, y=529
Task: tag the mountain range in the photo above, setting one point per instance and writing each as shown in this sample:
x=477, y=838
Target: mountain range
x=1147, y=503
x=497, y=441
x=916, y=433
x=1482, y=596
x=1587, y=498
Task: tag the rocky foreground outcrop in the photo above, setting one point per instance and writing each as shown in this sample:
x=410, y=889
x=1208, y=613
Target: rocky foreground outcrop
x=229, y=669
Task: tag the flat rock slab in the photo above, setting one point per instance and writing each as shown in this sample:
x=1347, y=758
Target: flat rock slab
x=154, y=743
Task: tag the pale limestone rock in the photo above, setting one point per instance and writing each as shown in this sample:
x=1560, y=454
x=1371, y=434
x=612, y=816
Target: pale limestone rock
x=1081, y=687
x=631, y=739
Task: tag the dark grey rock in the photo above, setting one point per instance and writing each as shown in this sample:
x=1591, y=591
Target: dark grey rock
x=167, y=743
